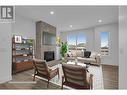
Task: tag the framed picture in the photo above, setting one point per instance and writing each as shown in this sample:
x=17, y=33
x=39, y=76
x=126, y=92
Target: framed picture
x=18, y=39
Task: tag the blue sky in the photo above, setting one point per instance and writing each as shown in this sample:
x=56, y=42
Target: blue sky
x=72, y=39
x=81, y=38
x=104, y=39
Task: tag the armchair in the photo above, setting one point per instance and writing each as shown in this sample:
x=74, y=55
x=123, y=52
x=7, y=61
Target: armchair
x=76, y=77
x=41, y=69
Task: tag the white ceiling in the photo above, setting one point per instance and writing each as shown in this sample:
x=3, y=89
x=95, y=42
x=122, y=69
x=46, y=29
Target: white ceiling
x=78, y=16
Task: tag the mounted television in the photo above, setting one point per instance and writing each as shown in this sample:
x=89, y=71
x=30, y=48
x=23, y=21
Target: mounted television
x=49, y=38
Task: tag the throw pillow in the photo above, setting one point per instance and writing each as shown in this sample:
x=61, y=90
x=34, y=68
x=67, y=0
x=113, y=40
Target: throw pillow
x=69, y=54
x=87, y=54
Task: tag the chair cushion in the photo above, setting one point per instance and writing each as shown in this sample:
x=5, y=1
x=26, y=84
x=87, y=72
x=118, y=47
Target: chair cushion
x=93, y=55
x=80, y=53
x=73, y=52
x=69, y=54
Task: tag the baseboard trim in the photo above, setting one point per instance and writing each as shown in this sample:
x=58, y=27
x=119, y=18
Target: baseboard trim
x=5, y=79
x=109, y=65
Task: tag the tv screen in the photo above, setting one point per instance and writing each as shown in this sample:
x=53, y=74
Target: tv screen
x=49, y=38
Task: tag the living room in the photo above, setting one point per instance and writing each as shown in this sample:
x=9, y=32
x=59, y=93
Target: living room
x=95, y=28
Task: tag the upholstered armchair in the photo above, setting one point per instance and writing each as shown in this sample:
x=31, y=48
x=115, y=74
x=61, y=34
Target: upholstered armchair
x=41, y=69
x=77, y=77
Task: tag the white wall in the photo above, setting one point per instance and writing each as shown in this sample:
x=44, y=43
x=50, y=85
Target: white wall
x=21, y=26
x=58, y=56
x=94, y=43
x=63, y=36
x=123, y=47
x=24, y=27
x=112, y=58
x=90, y=39
x=5, y=52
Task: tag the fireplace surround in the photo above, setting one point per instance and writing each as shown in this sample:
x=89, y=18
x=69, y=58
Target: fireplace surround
x=49, y=55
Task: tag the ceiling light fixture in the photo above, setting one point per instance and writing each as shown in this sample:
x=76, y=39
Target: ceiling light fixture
x=52, y=12
x=99, y=20
x=71, y=26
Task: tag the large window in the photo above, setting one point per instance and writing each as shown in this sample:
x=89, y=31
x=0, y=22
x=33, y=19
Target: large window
x=104, y=43
x=81, y=41
x=77, y=41
x=71, y=42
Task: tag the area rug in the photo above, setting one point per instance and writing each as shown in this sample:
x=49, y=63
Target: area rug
x=95, y=70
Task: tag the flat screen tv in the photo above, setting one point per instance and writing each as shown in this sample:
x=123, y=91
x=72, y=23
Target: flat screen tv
x=49, y=38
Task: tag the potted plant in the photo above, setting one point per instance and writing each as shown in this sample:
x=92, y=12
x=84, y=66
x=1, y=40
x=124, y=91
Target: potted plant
x=63, y=50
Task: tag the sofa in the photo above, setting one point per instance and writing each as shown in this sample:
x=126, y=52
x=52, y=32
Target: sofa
x=92, y=58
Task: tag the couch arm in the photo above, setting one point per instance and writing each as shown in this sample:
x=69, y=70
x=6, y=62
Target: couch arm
x=98, y=59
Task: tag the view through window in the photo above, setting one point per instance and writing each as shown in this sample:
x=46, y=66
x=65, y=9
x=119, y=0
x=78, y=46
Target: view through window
x=77, y=41
x=72, y=42
x=104, y=43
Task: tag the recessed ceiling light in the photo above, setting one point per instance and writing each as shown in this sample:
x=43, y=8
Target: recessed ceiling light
x=52, y=12
x=70, y=25
x=99, y=20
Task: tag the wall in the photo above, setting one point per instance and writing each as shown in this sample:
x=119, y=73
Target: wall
x=21, y=26
x=24, y=26
x=90, y=39
x=122, y=47
x=93, y=41
x=5, y=52
x=112, y=58
x=58, y=56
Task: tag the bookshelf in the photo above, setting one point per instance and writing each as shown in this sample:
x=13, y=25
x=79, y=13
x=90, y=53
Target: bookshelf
x=22, y=54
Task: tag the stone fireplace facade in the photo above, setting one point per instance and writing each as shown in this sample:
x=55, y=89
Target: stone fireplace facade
x=40, y=47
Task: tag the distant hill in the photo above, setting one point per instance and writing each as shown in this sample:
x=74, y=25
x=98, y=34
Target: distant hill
x=79, y=46
x=104, y=47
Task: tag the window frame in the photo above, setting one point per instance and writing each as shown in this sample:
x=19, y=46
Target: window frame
x=108, y=43
x=76, y=37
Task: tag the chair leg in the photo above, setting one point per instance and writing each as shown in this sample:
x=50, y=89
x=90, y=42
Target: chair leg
x=62, y=82
x=58, y=74
x=48, y=84
x=34, y=77
x=62, y=86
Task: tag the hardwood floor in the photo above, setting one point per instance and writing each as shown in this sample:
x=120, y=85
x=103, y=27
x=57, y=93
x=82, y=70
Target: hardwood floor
x=110, y=76
x=23, y=80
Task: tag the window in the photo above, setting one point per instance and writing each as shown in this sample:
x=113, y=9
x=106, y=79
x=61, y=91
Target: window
x=81, y=41
x=72, y=42
x=77, y=41
x=104, y=43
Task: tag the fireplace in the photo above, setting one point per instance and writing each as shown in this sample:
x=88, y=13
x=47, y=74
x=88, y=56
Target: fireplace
x=49, y=55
